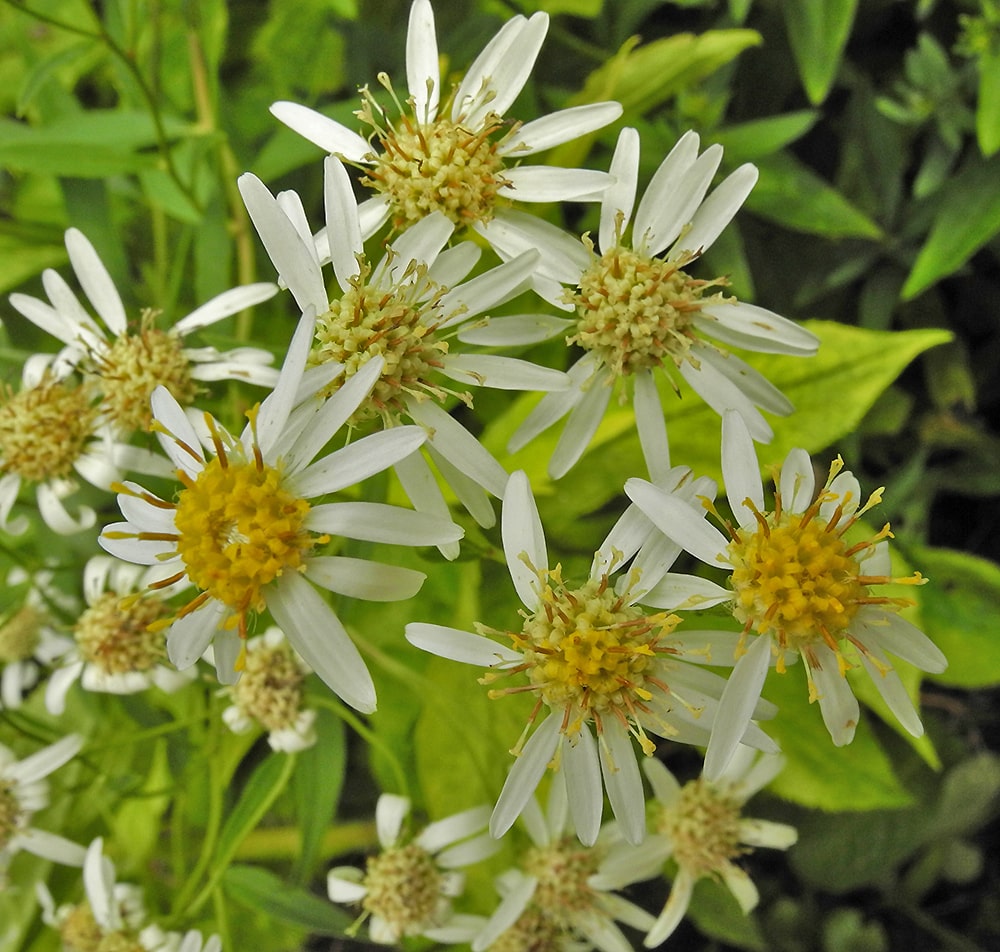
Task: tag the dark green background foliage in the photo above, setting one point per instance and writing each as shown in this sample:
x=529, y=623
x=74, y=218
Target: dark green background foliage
x=876, y=128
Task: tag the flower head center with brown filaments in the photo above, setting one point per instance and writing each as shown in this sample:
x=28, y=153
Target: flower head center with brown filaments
x=562, y=869
x=115, y=634
x=434, y=165
x=44, y=429
x=703, y=826
x=635, y=312
x=11, y=813
x=591, y=654
x=404, y=888
x=797, y=579
x=134, y=366
x=270, y=688
x=400, y=325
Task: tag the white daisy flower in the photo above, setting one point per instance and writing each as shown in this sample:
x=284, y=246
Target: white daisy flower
x=245, y=526
x=407, y=889
x=563, y=895
x=599, y=664
x=702, y=827
x=269, y=694
x=117, y=646
x=459, y=157
x=113, y=915
x=404, y=310
x=127, y=363
x=29, y=639
x=798, y=587
x=51, y=432
x=640, y=312
x=23, y=792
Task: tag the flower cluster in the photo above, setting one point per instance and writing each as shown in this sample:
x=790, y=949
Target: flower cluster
x=253, y=534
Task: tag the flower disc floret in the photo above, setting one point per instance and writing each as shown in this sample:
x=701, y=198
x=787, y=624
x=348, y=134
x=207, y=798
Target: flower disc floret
x=43, y=429
x=562, y=869
x=135, y=365
x=238, y=529
x=636, y=312
x=119, y=635
x=534, y=931
x=435, y=166
x=270, y=688
x=403, y=888
x=704, y=828
x=590, y=651
x=11, y=813
x=391, y=323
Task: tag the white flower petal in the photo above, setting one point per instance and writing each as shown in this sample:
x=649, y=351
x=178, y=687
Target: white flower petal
x=798, y=481
x=514, y=330
x=837, y=702
x=651, y=426
x=664, y=184
x=677, y=592
x=422, y=70
x=666, y=789
x=523, y=539
x=452, y=266
x=543, y=183
x=390, y=812
x=721, y=394
x=895, y=634
x=436, y=836
x=318, y=635
x=223, y=305
x=43, y=762
x=379, y=522
x=767, y=833
x=179, y=440
x=422, y=242
x=601, y=931
x=526, y=774
x=844, y=494
x=50, y=505
x=340, y=887
x=674, y=911
x=49, y=846
x=343, y=228
x=623, y=780
x=741, y=886
x=190, y=636
x=581, y=770
x=584, y=419
x=559, y=127
x=328, y=134
x=96, y=282
x=489, y=289
x=895, y=695
x=554, y=406
x=501, y=373
x=740, y=470
x=460, y=645
x=512, y=232
x=755, y=328
x=507, y=913
x=421, y=488
x=678, y=208
x=718, y=209
x=750, y=382
x=364, y=578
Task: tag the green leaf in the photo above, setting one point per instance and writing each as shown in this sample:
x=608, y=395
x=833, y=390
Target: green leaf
x=21, y=260
x=988, y=103
x=260, y=889
x=856, y=777
x=968, y=216
x=792, y=195
x=576, y=8
x=818, y=31
x=958, y=613
x=261, y=790
x=717, y=914
x=749, y=141
x=316, y=785
x=968, y=795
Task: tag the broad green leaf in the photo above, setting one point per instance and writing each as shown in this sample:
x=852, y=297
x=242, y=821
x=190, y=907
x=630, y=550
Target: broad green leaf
x=260, y=889
x=792, y=195
x=122, y=129
x=988, y=103
x=717, y=914
x=968, y=216
x=316, y=785
x=856, y=777
x=969, y=795
x=749, y=141
x=959, y=612
x=818, y=31
x=61, y=158
x=261, y=790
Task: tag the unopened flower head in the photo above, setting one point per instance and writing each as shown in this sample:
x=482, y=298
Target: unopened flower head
x=565, y=893
x=458, y=156
x=246, y=531
x=640, y=311
x=23, y=792
x=124, y=364
x=406, y=310
x=407, y=888
x=598, y=664
x=701, y=825
x=800, y=585
x=270, y=693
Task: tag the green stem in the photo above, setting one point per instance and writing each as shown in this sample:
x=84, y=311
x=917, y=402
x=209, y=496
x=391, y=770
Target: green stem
x=284, y=842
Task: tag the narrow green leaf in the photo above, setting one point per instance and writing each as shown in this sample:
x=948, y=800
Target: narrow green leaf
x=62, y=158
x=968, y=216
x=988, y=103
x=317, y=785
x=969, y=795
x=818, y=31
x=749, y=141
x=792, y=195
x=717, y=915
x=20, y=260
x=260, y=889
x=958, y=613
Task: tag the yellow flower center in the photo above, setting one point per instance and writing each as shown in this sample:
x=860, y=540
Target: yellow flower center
x=20, y=634
x=797, y=579
x=394, y=324
x=11, y=814
x=704, y=827
x=438, y=165
x=114, y=634
x=43, y=429
x=562, y=870
x=635, y=312
x=134, y=366
x=270, y=688
x=589, y=652
x=532, y=932
x=404, y=889
x=79, y=930
x=238, y=530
